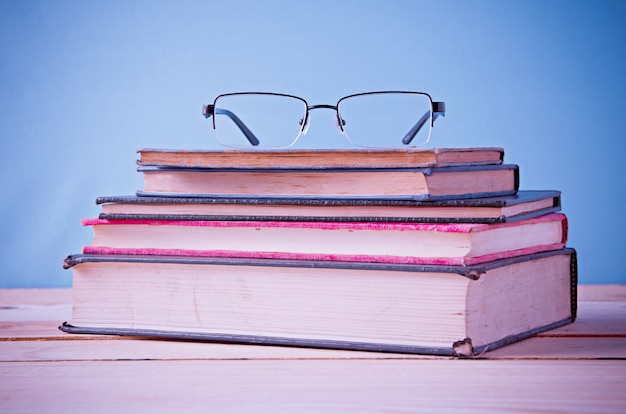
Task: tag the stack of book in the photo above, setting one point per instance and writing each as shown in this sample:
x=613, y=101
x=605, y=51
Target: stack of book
x=432, y=251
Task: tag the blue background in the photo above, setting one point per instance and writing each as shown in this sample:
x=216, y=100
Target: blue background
x=84, y=84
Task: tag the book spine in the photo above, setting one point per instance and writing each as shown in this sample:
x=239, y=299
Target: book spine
x=574, y=283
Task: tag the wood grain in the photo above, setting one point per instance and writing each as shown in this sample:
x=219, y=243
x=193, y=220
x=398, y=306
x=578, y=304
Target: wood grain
x=313, y=386
x=579, y=368
x=603, y=293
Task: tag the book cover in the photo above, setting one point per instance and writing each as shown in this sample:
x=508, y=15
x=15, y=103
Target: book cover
x=386, y=242
x=321, y=158
x=523, y=205
x=442, y=310
x=372, y=183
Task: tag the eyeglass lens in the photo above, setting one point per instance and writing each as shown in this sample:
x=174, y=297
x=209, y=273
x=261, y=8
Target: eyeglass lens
x=386, y=119
x=273, y=120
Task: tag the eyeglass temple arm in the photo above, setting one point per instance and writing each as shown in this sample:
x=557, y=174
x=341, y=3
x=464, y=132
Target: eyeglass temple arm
x=210, y=110
x=439, y=109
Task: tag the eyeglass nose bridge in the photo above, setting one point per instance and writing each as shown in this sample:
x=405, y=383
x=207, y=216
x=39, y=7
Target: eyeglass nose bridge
x=339, y=123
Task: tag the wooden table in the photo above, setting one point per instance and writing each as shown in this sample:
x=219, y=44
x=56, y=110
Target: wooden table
x=577, y=368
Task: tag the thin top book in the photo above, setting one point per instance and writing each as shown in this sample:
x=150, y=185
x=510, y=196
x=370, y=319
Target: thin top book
x=321, y=158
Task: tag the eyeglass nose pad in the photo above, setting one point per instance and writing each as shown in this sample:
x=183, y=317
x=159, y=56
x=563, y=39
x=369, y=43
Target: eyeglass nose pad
x=339, y=123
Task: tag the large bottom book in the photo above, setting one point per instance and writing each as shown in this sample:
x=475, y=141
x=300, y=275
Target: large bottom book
x=443, y=310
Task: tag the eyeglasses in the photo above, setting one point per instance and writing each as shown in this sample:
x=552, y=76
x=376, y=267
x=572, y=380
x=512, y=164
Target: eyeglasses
x=389, y=119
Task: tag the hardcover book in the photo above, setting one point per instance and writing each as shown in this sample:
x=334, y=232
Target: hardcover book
x=377, y=183
x=443, y=310
x=321, y=158
x=402, y=242
x=523, y=205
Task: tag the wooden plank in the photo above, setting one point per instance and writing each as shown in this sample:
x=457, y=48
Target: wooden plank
x=32, y=296
x=595, y=319
x=562, y=348
x=594, y=293
x=28, y=312
x=145, y=349
x=40, y=330
x=35, y=304
x=329, y=386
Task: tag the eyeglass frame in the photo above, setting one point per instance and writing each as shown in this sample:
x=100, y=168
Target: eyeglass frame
x=438, y=108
